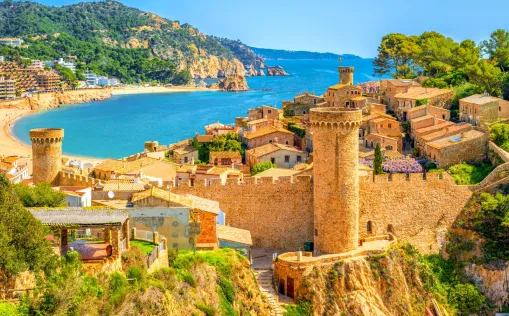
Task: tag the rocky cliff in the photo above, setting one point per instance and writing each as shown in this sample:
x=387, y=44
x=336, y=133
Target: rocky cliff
x=231, y=83
x=251, y=72
x=260, y=72
x=387, y=284
x=276, y=71
x=56, y=99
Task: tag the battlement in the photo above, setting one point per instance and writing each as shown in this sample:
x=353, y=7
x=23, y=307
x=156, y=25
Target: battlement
x=46, y=135
x=336, y=118
x=398, y=178
x=216, y=183
x=67, y=179
x=346, y=69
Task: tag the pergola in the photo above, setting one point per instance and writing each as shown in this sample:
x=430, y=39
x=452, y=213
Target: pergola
x=113, y=225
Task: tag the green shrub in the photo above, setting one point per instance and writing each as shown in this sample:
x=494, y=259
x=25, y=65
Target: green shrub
x=206, y=309
x=118, y=288
x=262, y=166
x=228, y=290
x=298, y=130
x=189, y=278
x=135, y=273
x=7, y=309
x=466, y=298
x=464, y=173
x=303, y=308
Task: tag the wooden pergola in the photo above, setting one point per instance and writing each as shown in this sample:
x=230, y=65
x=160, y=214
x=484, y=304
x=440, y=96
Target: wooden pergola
x=114, y=225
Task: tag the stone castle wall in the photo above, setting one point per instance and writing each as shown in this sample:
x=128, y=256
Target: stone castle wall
x=414, y=209
x=67, y=179
x=279, y=214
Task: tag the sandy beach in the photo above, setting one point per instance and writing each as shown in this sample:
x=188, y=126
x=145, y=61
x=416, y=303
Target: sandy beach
x=10, y=146
x=144, y=90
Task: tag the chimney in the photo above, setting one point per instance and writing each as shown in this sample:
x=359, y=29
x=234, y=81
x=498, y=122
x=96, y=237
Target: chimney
x=434, y=120
x=299, y=256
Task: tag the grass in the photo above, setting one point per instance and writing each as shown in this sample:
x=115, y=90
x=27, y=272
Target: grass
x=144, y=246
x=464, y=173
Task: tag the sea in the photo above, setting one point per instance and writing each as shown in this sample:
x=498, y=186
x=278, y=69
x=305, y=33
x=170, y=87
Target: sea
x=119, y=126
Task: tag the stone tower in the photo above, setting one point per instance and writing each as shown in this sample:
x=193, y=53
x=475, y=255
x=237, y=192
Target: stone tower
x=47, y=154
x=151, y=146
x=336, y=182
x=346, y=75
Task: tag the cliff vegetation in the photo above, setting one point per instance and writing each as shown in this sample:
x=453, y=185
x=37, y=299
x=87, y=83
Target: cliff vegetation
x=399, y=282
x=120, y=41
x=267, y=53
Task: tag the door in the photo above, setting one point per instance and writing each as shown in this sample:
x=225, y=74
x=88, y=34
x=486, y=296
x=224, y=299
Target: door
x=290, y=290
x=281, y=287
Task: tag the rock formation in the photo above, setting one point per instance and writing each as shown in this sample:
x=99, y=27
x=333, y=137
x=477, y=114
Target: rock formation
x=231, y=83
x=251, y=72
x=260, y=72
x=276, y=71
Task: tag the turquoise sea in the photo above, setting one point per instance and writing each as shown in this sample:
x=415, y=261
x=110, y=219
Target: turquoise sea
x=119, y=126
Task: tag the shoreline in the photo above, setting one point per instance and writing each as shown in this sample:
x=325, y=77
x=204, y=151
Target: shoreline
x=12, y=146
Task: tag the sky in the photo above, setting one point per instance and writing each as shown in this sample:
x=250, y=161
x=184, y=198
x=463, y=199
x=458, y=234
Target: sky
x=338, y=26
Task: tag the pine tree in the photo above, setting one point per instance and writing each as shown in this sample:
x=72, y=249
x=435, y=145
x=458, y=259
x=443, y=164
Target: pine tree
x=377, y=163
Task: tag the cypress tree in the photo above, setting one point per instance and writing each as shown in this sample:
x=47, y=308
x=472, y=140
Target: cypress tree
x=377, y=163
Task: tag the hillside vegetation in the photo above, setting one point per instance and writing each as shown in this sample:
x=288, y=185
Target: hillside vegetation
x=111, y=38
x=267, y=53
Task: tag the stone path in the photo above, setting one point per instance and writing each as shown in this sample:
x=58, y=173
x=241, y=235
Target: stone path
x=264, y=277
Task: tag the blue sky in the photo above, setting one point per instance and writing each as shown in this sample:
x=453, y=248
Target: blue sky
x=339, y=26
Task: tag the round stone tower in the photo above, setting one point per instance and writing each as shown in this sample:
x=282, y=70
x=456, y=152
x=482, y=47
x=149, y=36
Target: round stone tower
x=336, y=182
x=346, y=75
x=151, y=146
x=46, y=153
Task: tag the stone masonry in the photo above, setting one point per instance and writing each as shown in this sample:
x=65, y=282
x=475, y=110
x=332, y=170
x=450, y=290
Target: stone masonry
x=47, y=154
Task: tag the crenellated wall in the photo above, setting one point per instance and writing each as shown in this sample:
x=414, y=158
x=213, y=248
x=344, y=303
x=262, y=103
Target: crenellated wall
x=279, y=213
x=67, y=179
x=414, y=209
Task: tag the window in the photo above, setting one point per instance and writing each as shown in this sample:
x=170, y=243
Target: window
x=270, y=141
x=369, y=227
x=388, y=147
x=270, y=111
x=304, y=112
x=299, y=158
x=390, y=125
x=287, y=158
x=316, y=232
x=185, y=159
x=273, y=160
x=286, y=142
x=314, y=101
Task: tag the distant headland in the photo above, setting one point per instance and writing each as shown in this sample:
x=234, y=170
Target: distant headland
x=267, y=53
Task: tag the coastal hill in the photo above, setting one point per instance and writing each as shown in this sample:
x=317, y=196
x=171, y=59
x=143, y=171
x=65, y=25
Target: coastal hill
x=120, y=41
x=267, y=53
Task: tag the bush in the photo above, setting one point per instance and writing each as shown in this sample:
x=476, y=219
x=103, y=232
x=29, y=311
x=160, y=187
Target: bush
x=189, y=278
x=473, y=173
x=7, y=309
x=228, y=290
x=135, y=273
x=133, y=258
x=118, y=288
x=466, y=298
x=303, y=308
x=206, y=309
x=298, y=130
x=499, y=133
x=262, y=166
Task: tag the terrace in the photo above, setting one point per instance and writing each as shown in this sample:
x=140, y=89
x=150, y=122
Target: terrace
x=97, y=234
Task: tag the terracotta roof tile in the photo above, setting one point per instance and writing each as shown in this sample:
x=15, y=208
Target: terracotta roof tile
x=266, y=130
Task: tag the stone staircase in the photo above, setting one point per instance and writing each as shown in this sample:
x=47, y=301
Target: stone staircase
x=264, y=278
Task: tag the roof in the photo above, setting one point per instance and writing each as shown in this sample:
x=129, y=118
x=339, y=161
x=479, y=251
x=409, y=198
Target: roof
x=383, y=119
x=339, y=86
x=185, y=150
x=480, y=99
x=6, y=166
x=270, y=148
x=77, y=216
x=232, y=234
x=455, y=139
x=224, y=155
x=448, y=130
x=218, y=170
x=422, y=118
x=360, y=98
x=187, y=168
x=204, y=138
x=266, y=130
x=258, y=121
x=122, y=167
x=277, y=172
x=433, y=127
x=119, y=186
x=187, y=200
x=402, y=82
x=11, y=159
x=422, y=93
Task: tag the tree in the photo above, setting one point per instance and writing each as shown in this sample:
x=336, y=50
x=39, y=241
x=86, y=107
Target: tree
x=23, y=246
x=262, y=166
x=377, y=162
x=397, y=52
x=497, y=48
x=467, y=298
x=436, y=53
x=41, y=195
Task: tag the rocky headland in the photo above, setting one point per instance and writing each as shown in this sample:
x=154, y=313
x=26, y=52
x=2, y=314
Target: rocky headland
x=231, y=83
x=276, y=71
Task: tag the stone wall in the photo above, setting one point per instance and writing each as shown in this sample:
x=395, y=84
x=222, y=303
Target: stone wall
x=73, y=180
x=278, y=214
x=414, y=209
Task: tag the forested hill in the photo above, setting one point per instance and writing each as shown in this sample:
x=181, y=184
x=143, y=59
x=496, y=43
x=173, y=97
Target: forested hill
x=267, y=53
x=107, y=34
